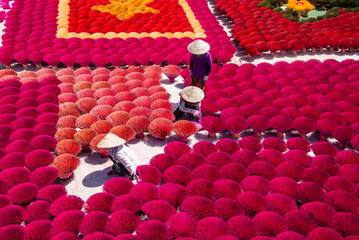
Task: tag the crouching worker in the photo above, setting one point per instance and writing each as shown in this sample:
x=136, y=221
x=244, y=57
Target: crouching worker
x=124, y=159
x=190, y=103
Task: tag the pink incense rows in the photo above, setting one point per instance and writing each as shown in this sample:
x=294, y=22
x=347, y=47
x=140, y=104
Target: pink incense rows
x=309, y=97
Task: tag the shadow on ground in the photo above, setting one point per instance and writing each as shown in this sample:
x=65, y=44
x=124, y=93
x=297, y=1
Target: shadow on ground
x=98, y=178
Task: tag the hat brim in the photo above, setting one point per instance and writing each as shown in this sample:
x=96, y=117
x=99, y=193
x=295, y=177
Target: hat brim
x=192, y=94
x=111, y=140
x=198, y=48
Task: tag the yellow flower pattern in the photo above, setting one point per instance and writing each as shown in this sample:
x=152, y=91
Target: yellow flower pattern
x=299, y=6
x=125, y=9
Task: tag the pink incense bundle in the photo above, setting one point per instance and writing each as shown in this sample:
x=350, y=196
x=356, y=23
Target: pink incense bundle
x=53, y=59
x=140, y=124
x=213, y=125
x=258, y=123
x=236, y=125
x=172, y=71
x=66, y=164
x=184, y=129
x=160, y=128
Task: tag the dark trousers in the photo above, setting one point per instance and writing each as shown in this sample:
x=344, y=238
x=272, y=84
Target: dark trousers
x=178, y=113
x=119, y=168
x=197, y=82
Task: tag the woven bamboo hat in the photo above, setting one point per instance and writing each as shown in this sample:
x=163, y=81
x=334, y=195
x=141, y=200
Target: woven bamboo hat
x=192, y=94
x=111, y=140
x=198, y=47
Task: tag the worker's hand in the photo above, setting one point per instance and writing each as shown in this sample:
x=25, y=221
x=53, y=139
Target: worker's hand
x=134, y=176
x=198, y=114
x=190, y=74
x=205, y=78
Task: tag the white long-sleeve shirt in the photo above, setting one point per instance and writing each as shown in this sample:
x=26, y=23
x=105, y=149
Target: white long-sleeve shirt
x=124, y=155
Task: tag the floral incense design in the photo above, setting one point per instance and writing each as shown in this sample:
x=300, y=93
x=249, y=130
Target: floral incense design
x=120, y=33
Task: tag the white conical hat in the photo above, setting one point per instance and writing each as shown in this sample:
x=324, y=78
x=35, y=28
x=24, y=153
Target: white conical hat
x=192, y=94
x=110, y=140
x=198, y=47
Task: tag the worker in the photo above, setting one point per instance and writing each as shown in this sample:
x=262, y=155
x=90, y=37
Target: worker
x=200, y=63
x=190, y=103
x=124, y=159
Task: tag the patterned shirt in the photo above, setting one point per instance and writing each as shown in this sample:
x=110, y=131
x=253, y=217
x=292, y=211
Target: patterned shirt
x=190, y=108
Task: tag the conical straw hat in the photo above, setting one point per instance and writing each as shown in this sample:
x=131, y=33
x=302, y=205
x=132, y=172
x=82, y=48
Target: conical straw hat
x=111, y=140
x=192, y=94
x=198, y=47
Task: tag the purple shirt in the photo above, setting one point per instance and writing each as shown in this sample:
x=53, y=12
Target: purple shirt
x=201, y=65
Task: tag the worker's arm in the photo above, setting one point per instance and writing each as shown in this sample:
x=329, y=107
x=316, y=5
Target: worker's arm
x=195, y=112
x=209, y=66
x=191, y=67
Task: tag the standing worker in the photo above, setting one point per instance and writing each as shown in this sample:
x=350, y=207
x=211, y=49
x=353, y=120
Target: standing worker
x=200, y=62
x=124, y=159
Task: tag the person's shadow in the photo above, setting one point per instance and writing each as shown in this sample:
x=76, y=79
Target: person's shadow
x=98, y=178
